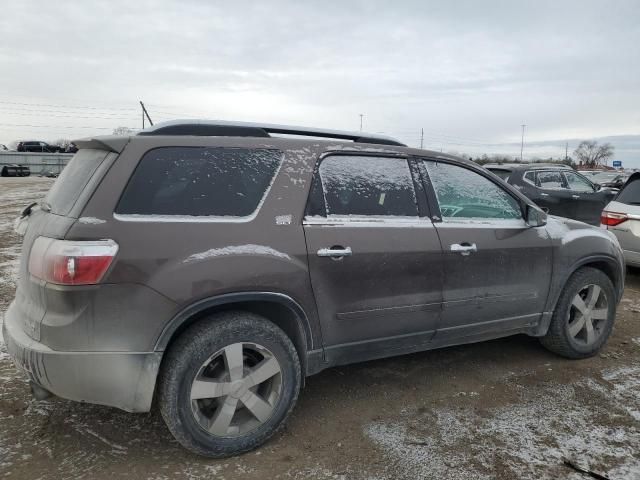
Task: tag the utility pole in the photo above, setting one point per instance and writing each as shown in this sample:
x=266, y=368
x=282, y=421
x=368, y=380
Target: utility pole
x=361, y=115
x=566, y=151
x=145, y=114
x=421, y=137
x=522, y=142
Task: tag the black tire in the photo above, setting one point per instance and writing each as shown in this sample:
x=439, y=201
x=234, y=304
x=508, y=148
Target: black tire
x=191, y=351
x=558, y=339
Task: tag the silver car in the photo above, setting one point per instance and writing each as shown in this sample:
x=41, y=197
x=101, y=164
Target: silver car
x=622, y=217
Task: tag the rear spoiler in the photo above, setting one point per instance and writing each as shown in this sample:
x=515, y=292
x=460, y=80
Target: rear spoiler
x=110, y=143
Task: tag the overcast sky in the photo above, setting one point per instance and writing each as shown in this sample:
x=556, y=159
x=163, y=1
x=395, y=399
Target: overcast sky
x=468, y=72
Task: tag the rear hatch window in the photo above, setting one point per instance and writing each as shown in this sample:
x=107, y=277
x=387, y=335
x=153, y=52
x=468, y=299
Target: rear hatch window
x=503, y=174
x=630, y=193
x=74, y=178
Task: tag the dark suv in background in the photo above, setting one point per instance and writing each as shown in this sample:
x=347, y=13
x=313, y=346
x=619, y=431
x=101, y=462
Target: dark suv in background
x=560, y=190
x=213, y=266
x=35, y=146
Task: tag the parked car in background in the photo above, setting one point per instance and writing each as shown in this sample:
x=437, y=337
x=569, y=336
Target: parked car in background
x=559, y=189
x=609, y=179
x=622, y=218
x=15, y=171
x=35, y=146
x=71, y=148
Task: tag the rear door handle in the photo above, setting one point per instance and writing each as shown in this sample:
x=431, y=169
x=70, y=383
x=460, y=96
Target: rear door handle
x=335, y=252
x=544, y=194
x=576, y=196
x=464, y=248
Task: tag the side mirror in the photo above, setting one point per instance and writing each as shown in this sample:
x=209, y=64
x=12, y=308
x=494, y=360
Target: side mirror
x=535, y=217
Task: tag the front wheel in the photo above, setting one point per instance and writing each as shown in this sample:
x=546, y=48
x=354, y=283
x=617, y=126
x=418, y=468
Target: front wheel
x=228, y=383
x=584, y=315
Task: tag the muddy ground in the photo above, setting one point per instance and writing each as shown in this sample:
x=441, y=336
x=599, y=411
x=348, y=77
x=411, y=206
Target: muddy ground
x=503, y=409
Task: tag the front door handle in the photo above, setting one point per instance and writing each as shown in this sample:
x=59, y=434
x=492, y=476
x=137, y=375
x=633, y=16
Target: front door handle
x=542, y=194
x=335, y=252
x=464, y=248
x=576, y=196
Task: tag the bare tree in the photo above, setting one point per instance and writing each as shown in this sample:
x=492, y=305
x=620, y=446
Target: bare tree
x=124, y=131
x=591, y=154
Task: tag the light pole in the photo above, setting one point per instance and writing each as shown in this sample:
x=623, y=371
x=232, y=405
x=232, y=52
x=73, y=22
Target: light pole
x=361, y=115
x=522, y=141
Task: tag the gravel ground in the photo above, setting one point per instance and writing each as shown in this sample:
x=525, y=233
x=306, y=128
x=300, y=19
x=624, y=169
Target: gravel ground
x=503, y=409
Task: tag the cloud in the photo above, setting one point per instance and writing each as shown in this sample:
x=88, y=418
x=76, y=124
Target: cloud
x=464, y=71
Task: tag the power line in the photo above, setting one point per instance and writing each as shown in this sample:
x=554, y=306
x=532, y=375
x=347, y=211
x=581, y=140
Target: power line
x=75, y=107
x=13, y=125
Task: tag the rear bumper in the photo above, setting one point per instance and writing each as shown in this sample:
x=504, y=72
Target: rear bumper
x=125, y=380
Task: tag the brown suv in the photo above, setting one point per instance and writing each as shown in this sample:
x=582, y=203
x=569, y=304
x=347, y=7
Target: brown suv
x=212, y=266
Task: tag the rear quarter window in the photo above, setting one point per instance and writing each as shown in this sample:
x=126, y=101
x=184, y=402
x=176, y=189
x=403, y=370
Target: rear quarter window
x=630, y=194
x=200, y=181
x=74, y=178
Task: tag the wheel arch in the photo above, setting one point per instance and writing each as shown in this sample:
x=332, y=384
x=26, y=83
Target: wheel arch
x=610, y=266
x=278, y=308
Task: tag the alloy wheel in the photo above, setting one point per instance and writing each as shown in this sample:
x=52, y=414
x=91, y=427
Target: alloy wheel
x=236, y=389
x=588, y=315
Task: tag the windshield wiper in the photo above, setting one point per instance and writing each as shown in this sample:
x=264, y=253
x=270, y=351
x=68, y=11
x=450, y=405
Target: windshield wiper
x=45, y=206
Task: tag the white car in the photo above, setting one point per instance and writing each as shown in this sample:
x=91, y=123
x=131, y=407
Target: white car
x=622, y=218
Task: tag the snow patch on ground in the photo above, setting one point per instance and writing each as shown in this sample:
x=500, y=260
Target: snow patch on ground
x=531, y=438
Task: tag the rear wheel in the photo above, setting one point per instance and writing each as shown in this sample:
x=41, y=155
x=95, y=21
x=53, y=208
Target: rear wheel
x=228, y=383
x=584, y=315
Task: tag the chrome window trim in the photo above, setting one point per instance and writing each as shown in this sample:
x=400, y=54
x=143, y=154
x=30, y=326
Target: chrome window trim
x=364, y=221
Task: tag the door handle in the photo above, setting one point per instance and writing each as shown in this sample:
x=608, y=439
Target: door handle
x=575, y=196
x=335, y=252
x=544, y=194
x=464, y=248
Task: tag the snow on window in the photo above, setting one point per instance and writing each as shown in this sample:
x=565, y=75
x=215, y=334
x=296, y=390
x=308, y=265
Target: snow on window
x=462, y=193
x=358, y=185
x=200, y=181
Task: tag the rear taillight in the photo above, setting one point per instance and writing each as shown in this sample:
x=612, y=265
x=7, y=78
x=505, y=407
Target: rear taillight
x=611, y=219
x=69, y=262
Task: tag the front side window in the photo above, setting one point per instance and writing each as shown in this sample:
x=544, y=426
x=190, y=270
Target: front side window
x=365, y=186
x=577, y=183
x=463, y=193
x=200, y=181
x=550, y=180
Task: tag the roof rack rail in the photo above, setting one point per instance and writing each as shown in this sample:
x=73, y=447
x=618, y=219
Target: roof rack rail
x=221, y=128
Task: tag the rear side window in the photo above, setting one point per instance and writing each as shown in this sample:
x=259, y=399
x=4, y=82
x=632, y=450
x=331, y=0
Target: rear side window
x=74, y=178
x=550, y=180
x=630, y=194
x=363, y=186
x=200, y=181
